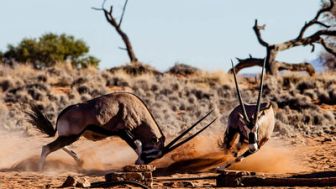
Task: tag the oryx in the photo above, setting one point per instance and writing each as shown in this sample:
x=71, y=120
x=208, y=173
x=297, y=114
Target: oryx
x=252, y=123
x=117, y=114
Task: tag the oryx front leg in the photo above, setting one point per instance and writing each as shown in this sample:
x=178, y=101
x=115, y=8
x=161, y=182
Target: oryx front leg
x=138, y=150
x=229, y=139
x=238, y=146
x=59, y=143
x=238, y=159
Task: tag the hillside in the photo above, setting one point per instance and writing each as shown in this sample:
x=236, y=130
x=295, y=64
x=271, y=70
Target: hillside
x=305, y=110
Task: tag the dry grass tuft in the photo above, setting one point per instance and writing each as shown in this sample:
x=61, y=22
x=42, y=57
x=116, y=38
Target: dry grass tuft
x=136, y=69
x=183, y=70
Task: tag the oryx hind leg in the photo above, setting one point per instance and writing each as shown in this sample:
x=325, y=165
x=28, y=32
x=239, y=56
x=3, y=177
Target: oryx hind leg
x=59, y=143
x=73, y=155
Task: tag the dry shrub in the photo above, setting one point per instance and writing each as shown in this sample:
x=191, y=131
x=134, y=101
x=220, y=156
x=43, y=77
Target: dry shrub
x=5, y=84
x=305, y=84
x=183, y=70
x=136, y=69
x=283, y=129
x=212, y=79
x=290, y=80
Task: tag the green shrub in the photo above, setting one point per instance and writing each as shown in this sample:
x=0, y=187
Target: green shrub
x=50, y=49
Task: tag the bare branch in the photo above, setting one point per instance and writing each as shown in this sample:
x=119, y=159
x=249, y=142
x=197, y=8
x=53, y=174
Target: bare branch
x=327, y=48
x=246, y=63
x=97, y=9
x=325, y=9
x=103, y=4
x=314, y=38
x=110, y=11
x=322, y=24
x=122, y=48
x=306, y=67
x=315, y=19
x=256, y=29
x=250, y=62
x=101, y=8
x=313, y=47
x=123, y=13
x=109, y=17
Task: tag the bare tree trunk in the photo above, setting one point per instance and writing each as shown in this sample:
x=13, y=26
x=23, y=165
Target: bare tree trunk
x=123, y=35
x=110, y=19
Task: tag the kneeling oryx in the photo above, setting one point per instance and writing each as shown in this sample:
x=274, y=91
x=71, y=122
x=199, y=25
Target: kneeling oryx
x=117, y=114
x=252, y=123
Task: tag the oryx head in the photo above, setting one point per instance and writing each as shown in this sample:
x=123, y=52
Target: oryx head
x=153, y=149
x=251, y=124
x=158, y=150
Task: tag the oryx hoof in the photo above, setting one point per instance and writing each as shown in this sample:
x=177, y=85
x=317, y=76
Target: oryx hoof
x=80, y=162
x=239, y=159
x=222, y=168
x=139, y=161
x=40, y=166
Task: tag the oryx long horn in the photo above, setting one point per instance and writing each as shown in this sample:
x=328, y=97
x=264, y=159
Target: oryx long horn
x=167, y=150
x=260, y=91
x=186, y=131
x=239, y=96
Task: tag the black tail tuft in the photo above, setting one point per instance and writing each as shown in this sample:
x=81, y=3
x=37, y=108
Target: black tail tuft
x=39, y=120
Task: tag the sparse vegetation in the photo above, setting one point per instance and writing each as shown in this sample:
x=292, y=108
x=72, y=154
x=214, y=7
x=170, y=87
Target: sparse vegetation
x=183, y=70
x=302, y=104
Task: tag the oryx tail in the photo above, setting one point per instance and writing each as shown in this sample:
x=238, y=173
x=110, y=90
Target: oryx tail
x=42, y=123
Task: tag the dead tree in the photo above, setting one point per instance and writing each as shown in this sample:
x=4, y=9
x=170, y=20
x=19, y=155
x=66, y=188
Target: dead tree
x=117, y=26
x=272, y=65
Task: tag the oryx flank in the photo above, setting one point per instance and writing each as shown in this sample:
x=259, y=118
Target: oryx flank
x=252, y=123
x=117, y=114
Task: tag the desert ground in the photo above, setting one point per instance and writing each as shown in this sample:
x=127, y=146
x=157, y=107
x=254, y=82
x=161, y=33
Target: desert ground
x=304, y=138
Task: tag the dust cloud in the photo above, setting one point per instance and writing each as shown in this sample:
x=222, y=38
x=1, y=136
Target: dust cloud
x=202, y=154
x=21, y=153
x=273, y=157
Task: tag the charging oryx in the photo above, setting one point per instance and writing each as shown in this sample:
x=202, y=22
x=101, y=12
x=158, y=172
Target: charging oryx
x=117, y=114
x=252, y=123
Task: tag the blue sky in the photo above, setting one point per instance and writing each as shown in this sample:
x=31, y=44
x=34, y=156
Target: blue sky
x=205, y=34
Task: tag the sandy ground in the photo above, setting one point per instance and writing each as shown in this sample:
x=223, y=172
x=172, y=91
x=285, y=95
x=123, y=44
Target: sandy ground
x=19, y=156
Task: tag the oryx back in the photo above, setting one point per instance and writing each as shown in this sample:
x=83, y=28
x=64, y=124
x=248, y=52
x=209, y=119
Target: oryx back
x=112, y=112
